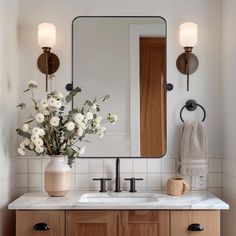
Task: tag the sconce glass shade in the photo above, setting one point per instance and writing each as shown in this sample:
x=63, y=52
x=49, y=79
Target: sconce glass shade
x=188, y=34
x=46, y=35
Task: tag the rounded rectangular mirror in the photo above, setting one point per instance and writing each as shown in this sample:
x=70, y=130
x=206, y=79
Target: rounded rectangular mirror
x=124, y=57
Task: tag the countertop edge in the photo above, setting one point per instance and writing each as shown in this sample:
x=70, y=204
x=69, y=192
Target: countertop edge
x=190, y=201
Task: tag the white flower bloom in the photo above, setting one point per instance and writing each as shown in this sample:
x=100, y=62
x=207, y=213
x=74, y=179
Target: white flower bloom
x=21, y=151
x=31, y=146
x=38, y=142
x=43, y=103
x=39, y=149
x=82, y=150
x=58, y=104
x=41, y=132
x=52, y=102
x=22, y=145
x=78, y=117
x=34, y=137
x=85, y=121
x=70, y=125
x=45, y=112
x=36, y=130
x=39, y=117
x=32, y=84
x=89, y=116
x=112, y=118
x=26, y=142
x=80, y=132
x=98, y=119
x=81, y=125
x=25, y=128
x=94, y=106
x=58, y=95
x=54, y=121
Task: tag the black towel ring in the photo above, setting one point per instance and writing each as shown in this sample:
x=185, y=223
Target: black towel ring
x=191, y=105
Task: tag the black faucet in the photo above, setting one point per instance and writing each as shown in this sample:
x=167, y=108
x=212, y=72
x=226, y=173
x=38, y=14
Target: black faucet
x=117, y=180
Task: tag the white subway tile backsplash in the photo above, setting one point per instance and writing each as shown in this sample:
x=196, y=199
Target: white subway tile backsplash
x=35, y=180
x=22, y=180
x=109, y=165
x=82, y=181
x=214, y=165
x=21, y=166
x=96, y=165
x=154, y=165
x=154, y=180
x=73, y=181
x=140, y=165
x=155, y=172
x=35, y=166
x=214, y=180
x=168, y=165
x=126, y=165
x=82, y=165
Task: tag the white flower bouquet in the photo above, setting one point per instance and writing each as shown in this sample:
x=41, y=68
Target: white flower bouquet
x=50, y=130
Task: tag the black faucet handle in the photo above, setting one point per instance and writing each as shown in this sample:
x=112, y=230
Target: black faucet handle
x=102, y=184
x=132, y=183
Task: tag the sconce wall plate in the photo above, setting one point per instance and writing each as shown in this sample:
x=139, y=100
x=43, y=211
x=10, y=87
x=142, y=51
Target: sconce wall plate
x=48, y=63
x=182, y=63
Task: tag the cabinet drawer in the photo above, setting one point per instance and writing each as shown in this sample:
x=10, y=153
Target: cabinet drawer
x=26, y=220
x=181, y=220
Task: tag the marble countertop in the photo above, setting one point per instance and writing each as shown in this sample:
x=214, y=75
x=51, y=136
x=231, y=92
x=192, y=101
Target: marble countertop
x=191, y=200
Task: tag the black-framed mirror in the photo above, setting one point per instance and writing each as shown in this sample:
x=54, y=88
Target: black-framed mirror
x=124, y=57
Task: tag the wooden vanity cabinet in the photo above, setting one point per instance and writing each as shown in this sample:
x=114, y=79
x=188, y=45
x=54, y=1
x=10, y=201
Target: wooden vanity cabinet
x=181, y=220
x=91, y=223
x=27, y=221
x=118, y=223
x=143, y=223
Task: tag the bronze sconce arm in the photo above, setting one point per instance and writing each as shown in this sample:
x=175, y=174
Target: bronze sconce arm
x=48, y=63
x=187, y=63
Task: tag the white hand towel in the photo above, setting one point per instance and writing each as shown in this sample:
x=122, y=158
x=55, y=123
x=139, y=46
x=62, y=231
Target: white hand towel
x=193, y=154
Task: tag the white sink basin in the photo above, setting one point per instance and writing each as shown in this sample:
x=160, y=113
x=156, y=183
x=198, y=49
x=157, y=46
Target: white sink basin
x=128, y=198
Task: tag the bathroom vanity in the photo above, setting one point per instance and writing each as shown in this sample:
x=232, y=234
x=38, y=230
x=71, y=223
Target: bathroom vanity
x=126, y=214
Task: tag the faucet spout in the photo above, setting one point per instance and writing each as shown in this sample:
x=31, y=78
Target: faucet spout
x=117, y=180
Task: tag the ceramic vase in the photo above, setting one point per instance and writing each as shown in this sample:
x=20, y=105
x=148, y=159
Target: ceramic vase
x=57, y=176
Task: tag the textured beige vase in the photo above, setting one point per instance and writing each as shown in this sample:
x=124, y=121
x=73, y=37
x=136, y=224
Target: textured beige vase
x=176, y=186
x=57, y=177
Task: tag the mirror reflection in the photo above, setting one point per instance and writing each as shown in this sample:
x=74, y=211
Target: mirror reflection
x=124, y=57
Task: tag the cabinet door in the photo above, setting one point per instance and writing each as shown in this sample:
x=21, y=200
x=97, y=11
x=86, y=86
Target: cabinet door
x=26, y=220
x=143, y=223
x=180, y=221
x=91, y=223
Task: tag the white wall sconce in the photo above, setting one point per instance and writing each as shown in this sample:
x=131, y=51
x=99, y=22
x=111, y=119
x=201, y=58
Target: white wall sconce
x=187, y=63
x=48, y=62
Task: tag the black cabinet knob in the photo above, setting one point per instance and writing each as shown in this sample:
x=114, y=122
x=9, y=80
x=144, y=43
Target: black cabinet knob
x=69, y=87
x=132, y=184
x=195, y=227
x=102, y=184
x=41, y=227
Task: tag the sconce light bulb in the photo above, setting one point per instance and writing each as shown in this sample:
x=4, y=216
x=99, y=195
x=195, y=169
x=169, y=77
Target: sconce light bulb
x=46, y=35
x=188, y=34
